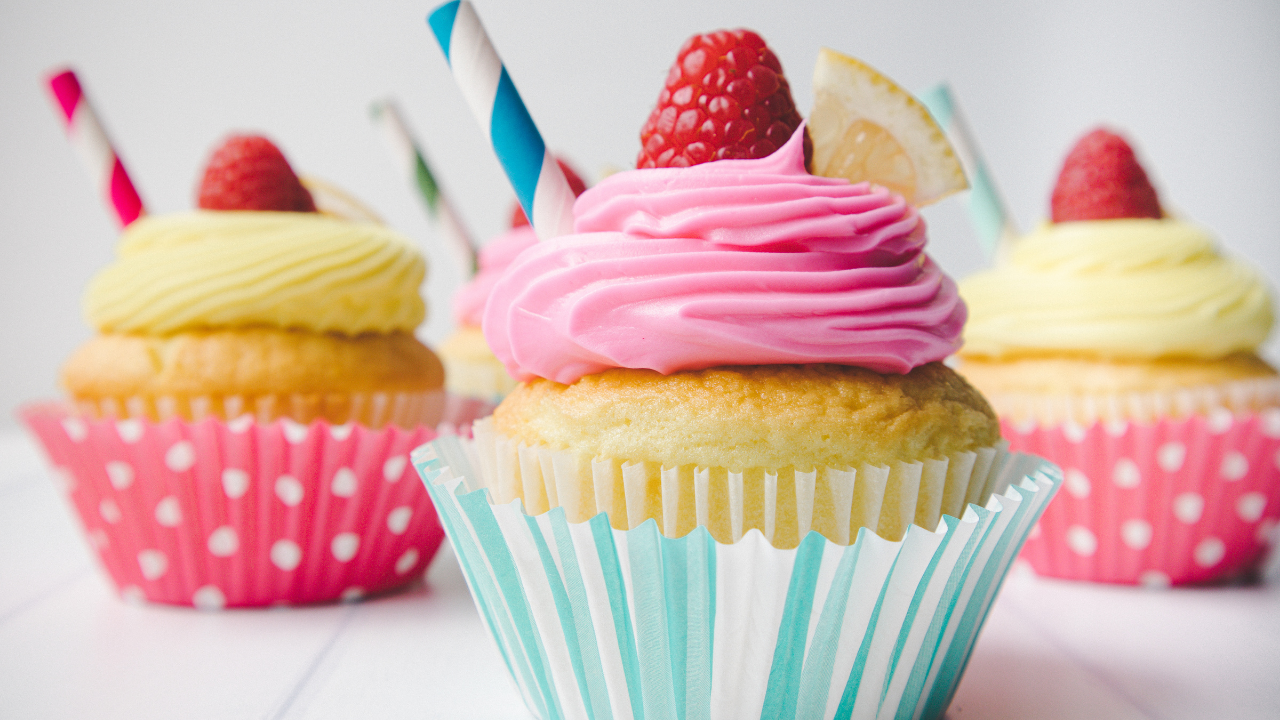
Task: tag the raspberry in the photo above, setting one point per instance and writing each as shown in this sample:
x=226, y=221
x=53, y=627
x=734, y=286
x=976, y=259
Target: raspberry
x=248, y=172
x=725, y=97
x=575, y=183
x=1102, y=180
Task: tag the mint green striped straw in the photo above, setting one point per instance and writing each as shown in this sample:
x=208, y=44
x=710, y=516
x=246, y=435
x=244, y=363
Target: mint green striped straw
x=990, y=217
x=444, y=219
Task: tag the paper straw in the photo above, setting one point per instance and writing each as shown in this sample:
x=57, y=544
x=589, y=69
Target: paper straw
x=539, y=183
x=94, y=148
x=444, y=217
x=991, y=218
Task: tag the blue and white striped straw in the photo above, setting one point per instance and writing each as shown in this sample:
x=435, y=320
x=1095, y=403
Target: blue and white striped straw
x=444, y=218
x=991, y=218
x=540, y=185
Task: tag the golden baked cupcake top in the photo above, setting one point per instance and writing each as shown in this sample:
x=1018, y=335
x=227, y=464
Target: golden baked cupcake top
x=769, y=416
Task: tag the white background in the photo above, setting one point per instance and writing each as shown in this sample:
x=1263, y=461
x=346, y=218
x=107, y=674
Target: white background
x=1195, y=85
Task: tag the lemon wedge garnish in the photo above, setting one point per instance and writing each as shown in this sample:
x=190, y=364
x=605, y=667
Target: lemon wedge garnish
x=866, y=128
x=335, y=202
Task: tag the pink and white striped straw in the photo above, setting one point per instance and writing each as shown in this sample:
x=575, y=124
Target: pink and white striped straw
x=94, y=148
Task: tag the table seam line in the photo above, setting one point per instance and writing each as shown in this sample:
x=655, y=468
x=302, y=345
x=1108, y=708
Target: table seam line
x=316, y=662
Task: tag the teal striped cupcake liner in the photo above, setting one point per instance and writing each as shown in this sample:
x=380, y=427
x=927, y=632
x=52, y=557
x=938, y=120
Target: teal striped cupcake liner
x=599, y=623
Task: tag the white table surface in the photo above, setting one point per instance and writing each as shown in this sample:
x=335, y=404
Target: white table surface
x=70, y=648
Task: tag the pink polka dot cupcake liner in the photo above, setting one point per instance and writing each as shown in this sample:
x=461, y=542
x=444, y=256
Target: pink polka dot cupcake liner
x=217, y=514
x=1174, y=502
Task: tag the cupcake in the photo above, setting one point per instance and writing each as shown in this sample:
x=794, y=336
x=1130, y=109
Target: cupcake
x=239, y=426
x=733, y=435
x=1120, y=342
x=471, y=368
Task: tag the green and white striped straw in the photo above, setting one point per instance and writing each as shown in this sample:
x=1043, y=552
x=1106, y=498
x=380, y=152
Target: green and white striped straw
x=444, y=218
x=991, y=218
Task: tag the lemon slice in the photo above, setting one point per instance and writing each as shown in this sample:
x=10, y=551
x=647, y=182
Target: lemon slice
x=866, y=128
x=336, y=202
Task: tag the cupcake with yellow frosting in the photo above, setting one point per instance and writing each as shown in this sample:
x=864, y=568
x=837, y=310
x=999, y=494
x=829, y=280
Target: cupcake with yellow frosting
x=241, y=421
x=1122, y=343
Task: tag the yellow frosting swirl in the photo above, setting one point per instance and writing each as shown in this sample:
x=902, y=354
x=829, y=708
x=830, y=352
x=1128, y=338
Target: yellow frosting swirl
x=1134, y=289
x=232, y=269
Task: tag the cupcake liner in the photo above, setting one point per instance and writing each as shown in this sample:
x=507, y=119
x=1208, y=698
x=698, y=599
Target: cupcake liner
x=784, y=505
x=1240, y=397
x=374, y=409
x=229, y=514
x=593, y=621
x=1172, y=502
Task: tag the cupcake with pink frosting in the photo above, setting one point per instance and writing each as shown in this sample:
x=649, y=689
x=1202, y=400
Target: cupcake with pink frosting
x=751, y=325
x=736, y=479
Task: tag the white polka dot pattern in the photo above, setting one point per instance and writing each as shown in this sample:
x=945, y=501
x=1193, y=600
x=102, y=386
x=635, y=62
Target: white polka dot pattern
x=289, y=490
x=1170, y=456
x=394, y=467
x=169, y=512
x=1136, y=533
x=1073, y=433
x=344, y=483
x=398, y=519
x=216, y=515
x=120, y=474
x=1234, y=466
x=1155, y=580
x=75, y=429
x=109, y=511
x=1188, y=507
x=406, y=561
x=1183, y=501
x=180, y=457
x=235, y=482
x=130, y=430
x=1081, y=540
x=1076, y=483
x=1126, y=474
x=285, y=554
x=1250, y=506
x=1209, y=552
x=1220, y=421
x=208, y=597
x=153, y=564
x=1271, y=423
x=294, y=432
x=224, y=542
x=344, y=546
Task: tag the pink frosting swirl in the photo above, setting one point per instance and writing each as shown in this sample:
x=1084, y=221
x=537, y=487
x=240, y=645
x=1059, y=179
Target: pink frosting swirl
x=468, y=303
x=734, y=262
